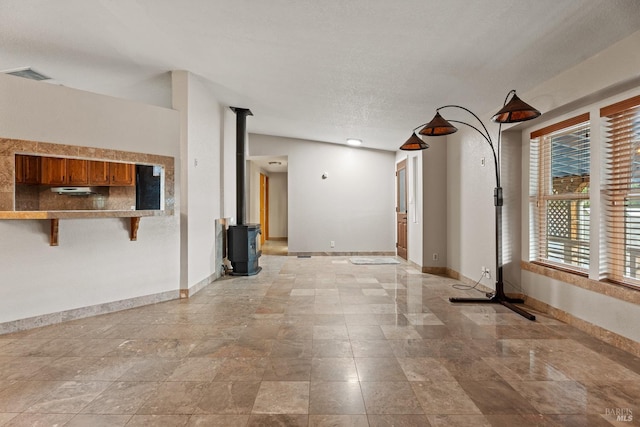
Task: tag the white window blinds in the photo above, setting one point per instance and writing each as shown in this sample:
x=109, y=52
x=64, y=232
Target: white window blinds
x=559, y=194
x=622, y=190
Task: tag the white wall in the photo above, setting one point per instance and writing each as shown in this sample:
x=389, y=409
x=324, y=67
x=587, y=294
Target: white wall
x=278, y=204
x=471, y=180
x=354, y=206
x=434, y=202
x=471, y=219
x=202, y=125
x=95, y=262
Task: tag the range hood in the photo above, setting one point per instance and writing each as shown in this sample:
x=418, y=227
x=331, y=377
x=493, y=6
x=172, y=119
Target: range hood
x=74, y=191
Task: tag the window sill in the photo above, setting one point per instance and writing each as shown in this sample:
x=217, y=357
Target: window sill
x=603, y=287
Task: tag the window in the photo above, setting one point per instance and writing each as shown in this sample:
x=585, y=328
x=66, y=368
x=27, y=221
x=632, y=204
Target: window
x=622, y=190
x=559, y=194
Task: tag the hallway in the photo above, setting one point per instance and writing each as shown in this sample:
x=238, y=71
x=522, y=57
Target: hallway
x=275, y=247
x=318, y=342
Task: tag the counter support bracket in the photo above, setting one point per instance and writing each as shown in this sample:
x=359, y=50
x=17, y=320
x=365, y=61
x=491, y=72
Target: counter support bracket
x=53, y=234
x=54, y=218
x=133, y=231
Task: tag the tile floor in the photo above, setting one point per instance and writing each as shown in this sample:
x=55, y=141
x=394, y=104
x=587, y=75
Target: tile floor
x=316, y=342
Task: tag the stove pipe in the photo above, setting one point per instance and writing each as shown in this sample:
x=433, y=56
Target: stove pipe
x=242, y=239
x=241, y=131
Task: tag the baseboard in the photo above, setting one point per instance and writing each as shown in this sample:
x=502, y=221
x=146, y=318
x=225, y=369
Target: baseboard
x=187, y=293
x=83, y=312
x=438, y=271
x=599, y=332
x=278, y=239
x=452, y=273
x=342, y=254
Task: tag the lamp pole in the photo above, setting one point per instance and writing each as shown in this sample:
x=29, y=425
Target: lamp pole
x=514, y=111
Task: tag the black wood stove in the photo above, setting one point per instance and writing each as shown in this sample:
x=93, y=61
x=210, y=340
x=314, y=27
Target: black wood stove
x=242, y=238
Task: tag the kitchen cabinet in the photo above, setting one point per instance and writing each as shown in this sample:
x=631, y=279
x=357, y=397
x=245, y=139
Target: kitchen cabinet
x=53, y=171
x=27, y=169
x=122, y=174
x=111, y=173
x=98, y=173
x=77, y=172
x=60, y=171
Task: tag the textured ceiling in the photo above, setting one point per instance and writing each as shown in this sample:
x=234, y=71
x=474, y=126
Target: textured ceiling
x=315, y=69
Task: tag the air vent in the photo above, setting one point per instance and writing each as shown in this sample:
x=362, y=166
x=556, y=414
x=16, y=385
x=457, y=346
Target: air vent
x=27, y=73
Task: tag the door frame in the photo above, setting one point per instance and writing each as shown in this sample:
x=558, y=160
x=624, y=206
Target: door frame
x=264, y=207
x=402, y=241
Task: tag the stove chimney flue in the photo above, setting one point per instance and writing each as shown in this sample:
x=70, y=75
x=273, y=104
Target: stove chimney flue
x=241, y=132
x=242, y=238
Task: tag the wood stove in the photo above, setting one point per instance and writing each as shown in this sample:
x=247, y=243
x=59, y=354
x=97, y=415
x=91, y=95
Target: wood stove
x=242, y=239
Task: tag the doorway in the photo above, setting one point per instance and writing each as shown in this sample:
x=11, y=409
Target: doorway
x=401, y=208
x=268, y=202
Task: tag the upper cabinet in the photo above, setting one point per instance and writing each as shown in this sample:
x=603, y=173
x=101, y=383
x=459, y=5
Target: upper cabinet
x=53, y=171
x=59, y=171
x=111, y=173
x=77, y=171
x=122, y=174
x=27, y=169
x=99, y=173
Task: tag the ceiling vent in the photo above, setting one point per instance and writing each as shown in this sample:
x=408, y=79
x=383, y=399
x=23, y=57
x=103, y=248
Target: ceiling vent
x=27, y=73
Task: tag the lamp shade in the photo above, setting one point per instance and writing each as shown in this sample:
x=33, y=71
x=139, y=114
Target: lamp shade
x=438, y=126
x=414, y=143
x=515, y=111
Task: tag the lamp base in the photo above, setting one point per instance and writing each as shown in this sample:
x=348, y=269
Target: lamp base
x=506, y=301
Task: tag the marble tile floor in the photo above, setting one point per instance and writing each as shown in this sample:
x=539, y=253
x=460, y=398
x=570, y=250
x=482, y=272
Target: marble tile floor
x=275, y=247
x=316, y=342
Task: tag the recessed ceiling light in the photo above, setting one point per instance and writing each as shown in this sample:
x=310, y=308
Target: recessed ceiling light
x=354, y=142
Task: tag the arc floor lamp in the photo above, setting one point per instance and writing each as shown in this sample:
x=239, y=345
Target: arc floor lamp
x=513, y=111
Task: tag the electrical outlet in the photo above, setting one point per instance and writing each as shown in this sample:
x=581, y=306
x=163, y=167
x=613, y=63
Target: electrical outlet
x=482, y=162
x=487, y=272
x=332, y=244
x=435, y=256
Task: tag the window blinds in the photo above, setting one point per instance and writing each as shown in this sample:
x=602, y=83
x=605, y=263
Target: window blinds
x=622, y=190
x=559, y=194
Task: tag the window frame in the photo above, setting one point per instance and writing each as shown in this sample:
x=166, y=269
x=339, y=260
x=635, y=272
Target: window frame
x=541, y=195
x=618, y=160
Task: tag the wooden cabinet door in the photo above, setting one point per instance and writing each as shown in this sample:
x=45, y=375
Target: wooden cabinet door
x=31, y=169
x=98, y=173
x=122, y=174
x=19, y=166
x=53, y=171
x=77, y=172
x=27, y=169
